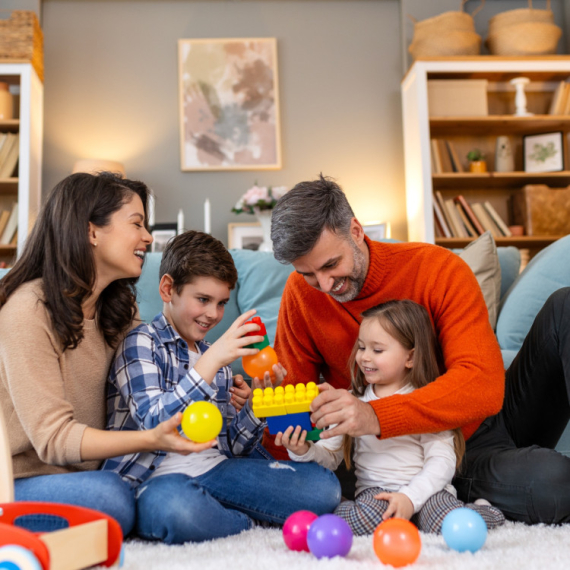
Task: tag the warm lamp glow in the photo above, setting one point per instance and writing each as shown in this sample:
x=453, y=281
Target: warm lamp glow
x=94, y=166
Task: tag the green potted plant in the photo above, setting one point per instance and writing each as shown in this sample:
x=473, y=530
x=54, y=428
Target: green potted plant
x=477, y=162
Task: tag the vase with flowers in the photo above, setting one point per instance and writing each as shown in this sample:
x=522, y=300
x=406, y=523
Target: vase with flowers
x=260, y=201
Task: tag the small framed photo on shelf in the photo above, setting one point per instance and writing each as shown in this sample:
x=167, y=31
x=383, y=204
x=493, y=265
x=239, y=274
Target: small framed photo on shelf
x=543, y=153
x=162, y=234
x=245, y=235
x=376, y=230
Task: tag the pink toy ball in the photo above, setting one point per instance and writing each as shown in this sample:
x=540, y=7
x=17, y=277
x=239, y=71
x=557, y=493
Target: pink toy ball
x=295, y=530
x=329, y=536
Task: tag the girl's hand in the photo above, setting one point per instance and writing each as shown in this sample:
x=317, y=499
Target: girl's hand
x=399, y=505
x=165, y=437
x=241, y=392
x=294, y=441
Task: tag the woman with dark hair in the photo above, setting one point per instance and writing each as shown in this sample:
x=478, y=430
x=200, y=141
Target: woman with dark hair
x=64, y=307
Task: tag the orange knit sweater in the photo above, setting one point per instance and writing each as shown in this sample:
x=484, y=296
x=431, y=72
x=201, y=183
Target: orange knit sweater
x=315, y=335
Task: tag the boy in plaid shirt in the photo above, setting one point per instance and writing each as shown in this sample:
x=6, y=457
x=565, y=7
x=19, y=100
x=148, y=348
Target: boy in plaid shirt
x=160, y=369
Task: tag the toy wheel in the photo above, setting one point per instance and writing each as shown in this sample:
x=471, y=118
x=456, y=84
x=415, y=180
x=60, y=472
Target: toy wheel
x=14, y=557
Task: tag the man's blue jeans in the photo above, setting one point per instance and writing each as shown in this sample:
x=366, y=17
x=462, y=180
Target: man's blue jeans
x=226, y=500
x=103, y=491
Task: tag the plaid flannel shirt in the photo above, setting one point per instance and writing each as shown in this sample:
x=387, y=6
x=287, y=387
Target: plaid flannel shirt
x=151, y=380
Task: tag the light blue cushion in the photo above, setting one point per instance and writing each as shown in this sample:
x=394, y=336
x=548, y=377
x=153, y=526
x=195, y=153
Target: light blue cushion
x=148, y=298
x=546, y=272
x=3, y=272
x=510, y=262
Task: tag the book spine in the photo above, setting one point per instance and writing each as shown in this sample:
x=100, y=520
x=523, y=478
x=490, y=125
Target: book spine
x=470, y=214
x=440, y=219
x=497, y=219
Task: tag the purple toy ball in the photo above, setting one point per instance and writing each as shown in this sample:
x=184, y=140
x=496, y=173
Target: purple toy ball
x=329, y=536
x=295, y=530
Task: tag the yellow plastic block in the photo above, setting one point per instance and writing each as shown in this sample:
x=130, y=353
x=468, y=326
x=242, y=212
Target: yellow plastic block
x=301, y=402
x=268, y=403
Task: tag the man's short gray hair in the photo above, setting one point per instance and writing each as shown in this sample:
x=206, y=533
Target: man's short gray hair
x=303, y=213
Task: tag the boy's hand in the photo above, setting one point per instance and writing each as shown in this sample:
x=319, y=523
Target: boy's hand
x=293, y=439
x=241, y=392
x=399, y=505
x=165, y=437
x=280, y=374
x=229, y=347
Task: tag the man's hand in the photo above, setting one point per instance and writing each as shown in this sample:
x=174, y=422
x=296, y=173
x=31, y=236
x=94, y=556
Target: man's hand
x=241, y=392
x=353, y=416
x=399, y=505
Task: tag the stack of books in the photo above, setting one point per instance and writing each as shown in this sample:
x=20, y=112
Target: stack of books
x=9, y=226
x=9, y=152
x=456, y=218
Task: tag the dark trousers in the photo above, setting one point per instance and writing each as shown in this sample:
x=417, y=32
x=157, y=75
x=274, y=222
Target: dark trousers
x=510, y=460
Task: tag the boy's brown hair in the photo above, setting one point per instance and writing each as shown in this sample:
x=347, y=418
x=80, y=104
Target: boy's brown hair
x=197, y=254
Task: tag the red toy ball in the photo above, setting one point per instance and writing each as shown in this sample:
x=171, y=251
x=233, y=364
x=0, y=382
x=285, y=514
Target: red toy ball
x=295, y=530
x=397, y=542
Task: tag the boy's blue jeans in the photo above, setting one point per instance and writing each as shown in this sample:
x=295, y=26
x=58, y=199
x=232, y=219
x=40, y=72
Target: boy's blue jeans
x=226, y=500
x=103, y=491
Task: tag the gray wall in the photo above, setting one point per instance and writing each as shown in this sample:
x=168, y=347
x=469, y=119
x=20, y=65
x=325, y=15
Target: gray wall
x=111, y=91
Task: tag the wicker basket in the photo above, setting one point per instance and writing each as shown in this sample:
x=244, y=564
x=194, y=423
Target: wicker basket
x=529, y=14
x=21, y=38
x=525, y=38
x=449, y=33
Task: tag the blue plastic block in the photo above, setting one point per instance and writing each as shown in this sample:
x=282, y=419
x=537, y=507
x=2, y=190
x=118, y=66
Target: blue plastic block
x=281, y=423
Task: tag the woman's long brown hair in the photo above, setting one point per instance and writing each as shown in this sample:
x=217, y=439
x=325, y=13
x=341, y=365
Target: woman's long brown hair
x=58, y=251
x=409, y=323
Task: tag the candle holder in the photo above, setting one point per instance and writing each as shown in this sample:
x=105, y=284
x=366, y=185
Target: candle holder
x=520, y=97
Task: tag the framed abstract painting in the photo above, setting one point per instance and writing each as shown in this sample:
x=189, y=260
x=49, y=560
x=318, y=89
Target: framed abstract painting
x=229, y=104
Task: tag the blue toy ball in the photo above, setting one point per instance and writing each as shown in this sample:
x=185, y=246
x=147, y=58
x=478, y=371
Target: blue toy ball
x=464, y=529
x=329, y=536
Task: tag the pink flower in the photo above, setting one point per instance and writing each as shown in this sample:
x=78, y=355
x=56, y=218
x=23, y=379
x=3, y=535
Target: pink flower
x=255, y=194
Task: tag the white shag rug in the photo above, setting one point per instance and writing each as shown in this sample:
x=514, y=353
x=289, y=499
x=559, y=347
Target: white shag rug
x=512, y=547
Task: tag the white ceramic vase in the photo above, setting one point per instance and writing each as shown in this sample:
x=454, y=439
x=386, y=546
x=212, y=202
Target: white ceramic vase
x=504, y=159
x=264, y=218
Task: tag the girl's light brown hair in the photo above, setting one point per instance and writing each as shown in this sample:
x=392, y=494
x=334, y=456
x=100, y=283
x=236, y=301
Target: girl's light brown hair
x=409, y=323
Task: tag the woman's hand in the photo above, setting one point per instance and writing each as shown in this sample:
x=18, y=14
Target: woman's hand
x=399, y=505
x=241, y=392
x=166, y=438
x=293, y=439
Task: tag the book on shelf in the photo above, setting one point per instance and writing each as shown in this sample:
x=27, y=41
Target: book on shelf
x=14, y=240
x=446, y=164
x=471, y=231
x=486, y=220
x=11, y=226
x=470, y=214
x=6, y=147
x=457, y=226
x=455, y=160
x=8, y=165
x=436, y=157
x=4, y=217
x=439, y=198
x=440, y=220
x=497, y=219
x=558, y=103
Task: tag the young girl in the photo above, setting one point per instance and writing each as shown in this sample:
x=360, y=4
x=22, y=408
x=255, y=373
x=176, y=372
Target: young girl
x=407, y=476
x=66, y=304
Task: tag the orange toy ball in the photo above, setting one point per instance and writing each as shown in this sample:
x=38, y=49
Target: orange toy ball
x=397, y=542
x=258, y=364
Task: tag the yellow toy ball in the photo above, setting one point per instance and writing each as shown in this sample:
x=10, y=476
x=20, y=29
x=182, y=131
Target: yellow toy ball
x=201, y=422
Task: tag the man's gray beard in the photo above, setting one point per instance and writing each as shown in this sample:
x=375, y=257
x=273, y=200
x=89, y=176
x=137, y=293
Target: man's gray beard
x=356, y=279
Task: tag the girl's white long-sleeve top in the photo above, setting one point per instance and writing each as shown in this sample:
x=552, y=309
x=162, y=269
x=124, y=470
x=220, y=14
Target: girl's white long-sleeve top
x=417, y=465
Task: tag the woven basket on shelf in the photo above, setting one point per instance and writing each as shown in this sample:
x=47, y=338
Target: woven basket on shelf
x=21, y=38
x=519, y=15
x=449, y=33
x=525, y=38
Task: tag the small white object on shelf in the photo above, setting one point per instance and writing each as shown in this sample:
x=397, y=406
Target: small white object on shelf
x=520, y=97
x=151, y=206
x=207, y=217
x=180, y=222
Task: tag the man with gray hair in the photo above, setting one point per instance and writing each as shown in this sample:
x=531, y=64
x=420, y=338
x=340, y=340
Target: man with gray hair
x=340, y=272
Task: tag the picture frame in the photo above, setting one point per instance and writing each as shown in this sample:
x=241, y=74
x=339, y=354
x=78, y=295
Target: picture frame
x=543, y=152
x=377, y=231
x=229, y=104
x=245, y=235
x=162, y=234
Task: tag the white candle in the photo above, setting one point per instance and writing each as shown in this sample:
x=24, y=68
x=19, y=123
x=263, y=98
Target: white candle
x=207, y=217
x=180, y=222
x=151, y=201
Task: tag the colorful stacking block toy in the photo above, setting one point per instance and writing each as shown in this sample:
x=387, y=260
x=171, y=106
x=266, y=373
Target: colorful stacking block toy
x=286, y=406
